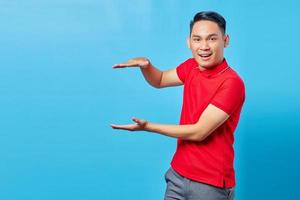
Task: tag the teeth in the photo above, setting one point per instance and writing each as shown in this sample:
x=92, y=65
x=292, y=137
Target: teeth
x=204, y=55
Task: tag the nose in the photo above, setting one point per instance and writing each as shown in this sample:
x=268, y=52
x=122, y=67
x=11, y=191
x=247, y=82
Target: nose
x=204, y=45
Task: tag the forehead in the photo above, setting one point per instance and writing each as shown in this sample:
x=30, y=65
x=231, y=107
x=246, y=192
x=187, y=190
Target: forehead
x=205, y=27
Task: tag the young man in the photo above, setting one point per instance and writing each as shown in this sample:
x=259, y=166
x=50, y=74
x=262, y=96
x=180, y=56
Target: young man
x=202, y=166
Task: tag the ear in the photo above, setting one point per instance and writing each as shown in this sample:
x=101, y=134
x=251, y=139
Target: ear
x=226, y=41
x=188, y=39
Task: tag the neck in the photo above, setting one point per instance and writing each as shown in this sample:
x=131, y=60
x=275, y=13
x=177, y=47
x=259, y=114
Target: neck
x=204, y=68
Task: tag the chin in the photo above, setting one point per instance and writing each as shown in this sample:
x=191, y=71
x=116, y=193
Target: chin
x=207, y=65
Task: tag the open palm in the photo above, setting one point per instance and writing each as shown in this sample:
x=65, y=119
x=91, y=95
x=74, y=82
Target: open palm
x=139, y=125
x=134, y=62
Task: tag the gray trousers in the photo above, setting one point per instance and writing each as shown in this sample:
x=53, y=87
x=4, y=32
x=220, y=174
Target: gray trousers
x=181, y=188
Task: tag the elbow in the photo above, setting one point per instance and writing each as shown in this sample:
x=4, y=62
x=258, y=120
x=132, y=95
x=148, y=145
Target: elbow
x=198, y=136
x=157, y=86
x=154, y=84
x=157, y=83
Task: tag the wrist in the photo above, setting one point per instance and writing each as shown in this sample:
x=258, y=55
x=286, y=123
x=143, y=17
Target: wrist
x=146, y=64
x=147, y=126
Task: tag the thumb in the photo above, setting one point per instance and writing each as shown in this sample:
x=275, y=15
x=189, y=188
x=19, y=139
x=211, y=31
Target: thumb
x=139, y=121
x=136, y=120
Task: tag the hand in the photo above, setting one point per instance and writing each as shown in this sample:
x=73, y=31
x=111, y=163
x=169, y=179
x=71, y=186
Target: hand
x=140, y=125
x=134, y=62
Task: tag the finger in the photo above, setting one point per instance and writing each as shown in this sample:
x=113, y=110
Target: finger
x=128, y=127
x=123, y=65
x=120, y=65
x=136, y=120
x=119, y=126
x=139, y=121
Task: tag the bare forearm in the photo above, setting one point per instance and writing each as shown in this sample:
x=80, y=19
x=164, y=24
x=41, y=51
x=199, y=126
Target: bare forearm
x=152, y=75
x=187, y=132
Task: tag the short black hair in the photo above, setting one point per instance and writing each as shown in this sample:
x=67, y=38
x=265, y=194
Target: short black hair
x=209, y=16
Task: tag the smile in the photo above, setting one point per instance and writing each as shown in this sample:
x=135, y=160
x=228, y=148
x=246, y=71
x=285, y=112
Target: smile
x=205, y=56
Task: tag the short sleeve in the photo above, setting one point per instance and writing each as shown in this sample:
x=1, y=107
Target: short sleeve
x=184, y=69
x=230, y=95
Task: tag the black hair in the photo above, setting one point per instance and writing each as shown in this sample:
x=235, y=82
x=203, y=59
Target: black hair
x=209, y=16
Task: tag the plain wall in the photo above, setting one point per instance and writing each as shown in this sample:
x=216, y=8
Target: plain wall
x=59, y=94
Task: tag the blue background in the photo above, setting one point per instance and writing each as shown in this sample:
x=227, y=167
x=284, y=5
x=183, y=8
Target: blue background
x=59, y=94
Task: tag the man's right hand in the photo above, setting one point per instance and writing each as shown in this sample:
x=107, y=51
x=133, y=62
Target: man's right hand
x=154, y=76
x=141, y=62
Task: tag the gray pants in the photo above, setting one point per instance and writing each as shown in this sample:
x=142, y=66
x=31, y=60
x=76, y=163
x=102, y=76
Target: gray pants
x=181, y=188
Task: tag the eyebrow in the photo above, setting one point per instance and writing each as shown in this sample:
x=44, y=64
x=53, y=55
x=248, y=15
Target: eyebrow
x=210, y=35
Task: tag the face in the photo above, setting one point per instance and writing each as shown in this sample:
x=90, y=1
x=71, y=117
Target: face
x=207, y=43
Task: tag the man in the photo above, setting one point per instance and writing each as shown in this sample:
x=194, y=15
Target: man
x=202, y=166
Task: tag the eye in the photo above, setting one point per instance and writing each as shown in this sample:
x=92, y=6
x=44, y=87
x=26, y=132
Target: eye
x=213, y=38
x=196, y=39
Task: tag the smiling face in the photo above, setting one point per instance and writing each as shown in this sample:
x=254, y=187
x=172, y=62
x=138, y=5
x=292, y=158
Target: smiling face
x=207, y=43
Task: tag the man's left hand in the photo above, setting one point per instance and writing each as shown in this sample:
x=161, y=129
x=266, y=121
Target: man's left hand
x=140, y=125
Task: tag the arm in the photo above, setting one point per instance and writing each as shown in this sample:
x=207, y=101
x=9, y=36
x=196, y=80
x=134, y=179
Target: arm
x=153, y=76
x=210, y=120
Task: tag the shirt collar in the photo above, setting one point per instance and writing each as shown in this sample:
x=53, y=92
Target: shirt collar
x=215, y=71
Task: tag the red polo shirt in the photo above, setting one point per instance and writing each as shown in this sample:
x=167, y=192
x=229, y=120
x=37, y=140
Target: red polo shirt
x=211, y=160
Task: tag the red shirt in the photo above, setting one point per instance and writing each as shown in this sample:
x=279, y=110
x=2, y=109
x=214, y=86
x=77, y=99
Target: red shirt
x=211, y=160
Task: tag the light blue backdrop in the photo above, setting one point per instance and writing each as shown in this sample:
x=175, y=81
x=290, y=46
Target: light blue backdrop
x=59, y=94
